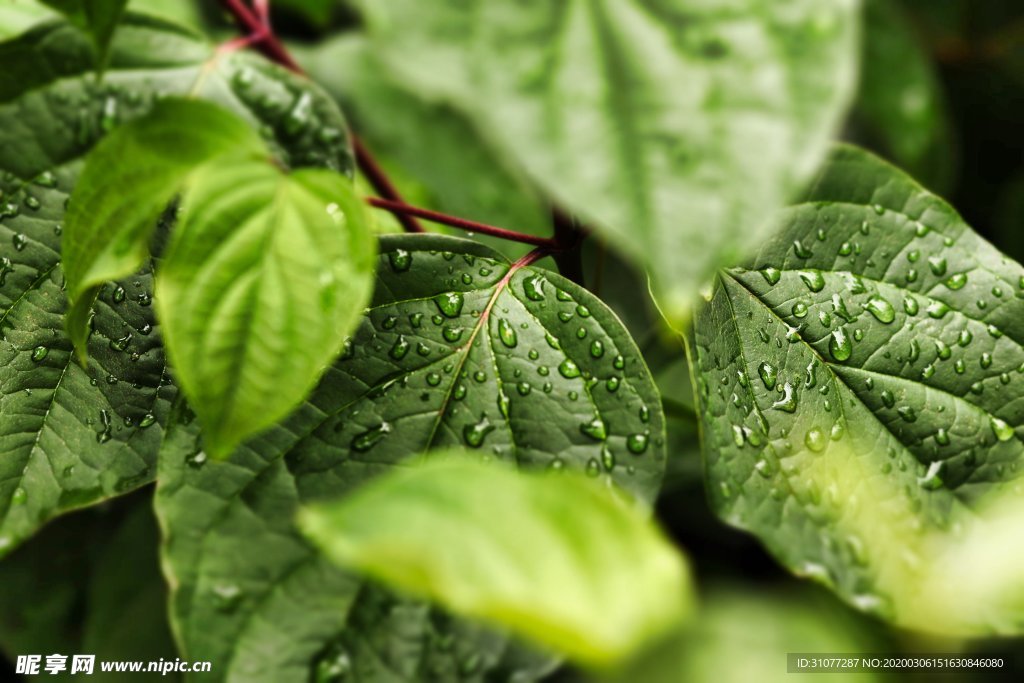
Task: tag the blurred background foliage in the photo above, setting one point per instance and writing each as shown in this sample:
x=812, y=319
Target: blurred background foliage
x=941, y=95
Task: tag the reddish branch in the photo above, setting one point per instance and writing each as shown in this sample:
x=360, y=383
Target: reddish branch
x=400, y=209
x=261, y=35
x=564, y=246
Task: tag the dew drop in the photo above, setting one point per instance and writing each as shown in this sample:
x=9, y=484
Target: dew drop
x=637, y=443
x=371, y=437
x=815, y=440
x=400, y=260
x=507, y=333
x=568, y=369
x=771, y=275
x=813, y=279
x=449, y=303
x=839, y=345
x=881, y=309
x=474, y=434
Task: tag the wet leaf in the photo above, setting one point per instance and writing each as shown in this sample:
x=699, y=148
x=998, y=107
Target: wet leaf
x=108, y=227
x=250, y=593
x=69, y=436
x=263, y=278
x=460, y=348
x=862, y=389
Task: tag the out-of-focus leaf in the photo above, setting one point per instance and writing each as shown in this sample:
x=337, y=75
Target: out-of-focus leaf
x=89, y=584
x=862, y=389
x=434, y=144
x=261, y=282
x=675, y=126
x=596, y=581
x=901, y=101
x=742, y=635
x=249, y=593
x=98, y=18
x=16, y=16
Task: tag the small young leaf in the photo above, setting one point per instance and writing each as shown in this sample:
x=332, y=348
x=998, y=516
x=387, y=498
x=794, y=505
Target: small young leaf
x=595, y=580
x=128, y=181
x=862, y=386
x=98, y=18
x=674, y=126
x=261, y=282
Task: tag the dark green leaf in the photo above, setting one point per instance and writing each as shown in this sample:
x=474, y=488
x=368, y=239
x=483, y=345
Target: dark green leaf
x=261, y=282
x=245, y=577
x=91, y=584
x=251, y=595
x=108, y=227
x=461, y=349
x=98, y=18
x=68, y=436
x=674, y=125
x=862, y=389
x=596, y=582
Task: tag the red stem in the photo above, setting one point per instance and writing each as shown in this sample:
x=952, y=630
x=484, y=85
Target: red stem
x=382, y=184
x=266, y=41
x=400, y=209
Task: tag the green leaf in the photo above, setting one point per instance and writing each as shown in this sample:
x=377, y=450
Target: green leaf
x=72, y=436
x=98, y=18
x=460, y=348
x=108, y=227
x=459, y=172
x=90, y=583
x=901, y=103
x=862, y=388
x=745, y=635
x=675, y=126
x=252, y=593
x=18, y=15
x=261, y=282
x=249, y=593
x=596, y=582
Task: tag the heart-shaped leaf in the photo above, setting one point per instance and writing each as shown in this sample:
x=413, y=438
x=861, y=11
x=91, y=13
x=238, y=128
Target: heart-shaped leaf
x=862, y=389
x=107, y=229
x=263, y=278
x=461, y=348
x=441, y=358
x=675, y=126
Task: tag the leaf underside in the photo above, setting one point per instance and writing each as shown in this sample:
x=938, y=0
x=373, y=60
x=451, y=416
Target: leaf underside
x=675, y=126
